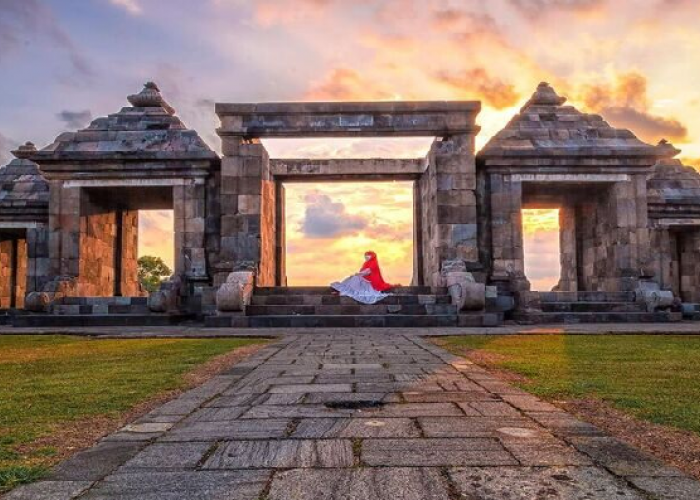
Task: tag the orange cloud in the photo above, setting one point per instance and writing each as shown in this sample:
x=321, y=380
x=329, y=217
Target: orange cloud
x=625, y=103
x=477, y=83
x=344, y=84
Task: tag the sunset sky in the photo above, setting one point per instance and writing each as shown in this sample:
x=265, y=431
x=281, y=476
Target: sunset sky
x=65, y=62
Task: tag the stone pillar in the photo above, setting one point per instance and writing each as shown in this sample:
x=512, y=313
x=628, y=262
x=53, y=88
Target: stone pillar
x=6, y=273
x=281, y=236
x=97, y=274
x=38, y=263
x=689, y=253
x=568, y=282
x=245, y=169
x=129, y=254
x=455, y=170
x=189, y=211
x=64, y=229
x=507, y=232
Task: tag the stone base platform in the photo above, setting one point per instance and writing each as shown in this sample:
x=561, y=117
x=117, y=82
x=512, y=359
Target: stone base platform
x=318, y=307
x=594, y=307
x=98, y=320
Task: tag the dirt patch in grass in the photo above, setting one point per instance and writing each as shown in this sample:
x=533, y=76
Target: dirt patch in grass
x=674, y=446
x=70, y=438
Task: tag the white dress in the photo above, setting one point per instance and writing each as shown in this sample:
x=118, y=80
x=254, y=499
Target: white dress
x=359, y=289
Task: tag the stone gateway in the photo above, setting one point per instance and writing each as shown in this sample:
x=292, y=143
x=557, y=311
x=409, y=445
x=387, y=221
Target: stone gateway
x=629, y=218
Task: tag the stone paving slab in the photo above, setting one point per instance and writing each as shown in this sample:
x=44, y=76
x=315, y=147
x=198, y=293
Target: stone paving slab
x=360, y=484
x=355, y=415
x=282, y=454
x=188, y=485
x=528, y=483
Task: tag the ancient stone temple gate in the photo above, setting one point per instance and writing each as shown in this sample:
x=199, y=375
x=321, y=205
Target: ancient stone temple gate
x=445, y=181
x=629, y=217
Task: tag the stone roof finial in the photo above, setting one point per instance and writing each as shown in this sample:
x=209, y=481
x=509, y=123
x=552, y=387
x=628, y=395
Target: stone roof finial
x=546, y=96
x=150, y=97
x=25, y=151
x=668, y=149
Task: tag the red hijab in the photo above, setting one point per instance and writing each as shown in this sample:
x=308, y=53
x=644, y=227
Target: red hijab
x=375, y=275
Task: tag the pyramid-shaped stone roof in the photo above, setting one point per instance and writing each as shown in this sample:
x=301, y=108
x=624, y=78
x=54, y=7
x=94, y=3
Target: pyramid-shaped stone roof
x=24, y=193
x=545, y=127
x=148, y=130
x=671, y=182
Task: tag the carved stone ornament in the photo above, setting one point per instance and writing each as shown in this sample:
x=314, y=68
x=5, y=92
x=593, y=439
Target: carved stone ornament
x=235, y=294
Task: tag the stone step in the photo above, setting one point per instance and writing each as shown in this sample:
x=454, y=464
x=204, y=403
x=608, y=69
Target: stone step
x=104, y=301
x=89, y=320
x=597, y=317
x=336, y=300
x=68, y=310
x=350, y=310
x=474, y=320
x=583, y=307
x=359, y=321
x=326, y=290
x=587, y=296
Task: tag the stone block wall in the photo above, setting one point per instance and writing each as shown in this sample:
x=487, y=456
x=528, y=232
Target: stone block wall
x=6, y=273
x=129, y=285
x=38, y=264
x=508, y=261
x=13, y=272
x=98, y=239
x=676, y=261
x=245, y=169
x=689, y=252
x=448, y=204
x=615, y=237
x=568, y=281
x=189, y=212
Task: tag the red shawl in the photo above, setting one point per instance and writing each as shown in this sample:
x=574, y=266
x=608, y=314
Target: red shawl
x=375, y=275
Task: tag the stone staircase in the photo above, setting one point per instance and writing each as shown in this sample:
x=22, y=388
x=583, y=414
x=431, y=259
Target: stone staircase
x=593, y=307
x=318, y=307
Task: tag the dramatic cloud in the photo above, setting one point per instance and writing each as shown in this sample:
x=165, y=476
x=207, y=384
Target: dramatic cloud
x=536, y=8
x=478, y=84
x=648, y=127
x=24, y=21
x=324, y=218
x=133, y=7
x=625, y=103
x=343, y=84
x=75, y=119
x=6, y=145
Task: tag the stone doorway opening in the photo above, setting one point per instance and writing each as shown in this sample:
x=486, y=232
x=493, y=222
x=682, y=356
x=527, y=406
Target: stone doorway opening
x=329, y=225
x=109, y=236
x=14, y=268
x=541, y=247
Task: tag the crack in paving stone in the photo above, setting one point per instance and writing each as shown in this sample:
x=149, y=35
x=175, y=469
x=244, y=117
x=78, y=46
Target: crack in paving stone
x=354, y=405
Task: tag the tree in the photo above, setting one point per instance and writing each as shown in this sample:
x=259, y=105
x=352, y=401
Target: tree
x=152, y=271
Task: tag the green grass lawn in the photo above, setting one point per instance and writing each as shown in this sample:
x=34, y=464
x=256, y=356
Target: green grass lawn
x=656, y=378
x=47, y=381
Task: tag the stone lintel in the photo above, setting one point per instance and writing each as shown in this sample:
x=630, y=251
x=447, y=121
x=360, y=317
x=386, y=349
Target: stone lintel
x=348, y=119
x=681, y=222
x=569, y=178
x=133, y=182
x=343, y=169
x=20, y=225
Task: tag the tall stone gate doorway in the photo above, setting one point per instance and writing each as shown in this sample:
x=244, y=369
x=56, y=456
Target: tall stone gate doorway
x=329, y=225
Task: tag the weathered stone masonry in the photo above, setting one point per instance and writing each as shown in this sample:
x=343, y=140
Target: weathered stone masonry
x=629, y=214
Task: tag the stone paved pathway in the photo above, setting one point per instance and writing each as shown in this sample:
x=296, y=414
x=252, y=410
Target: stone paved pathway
x=359, y=416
